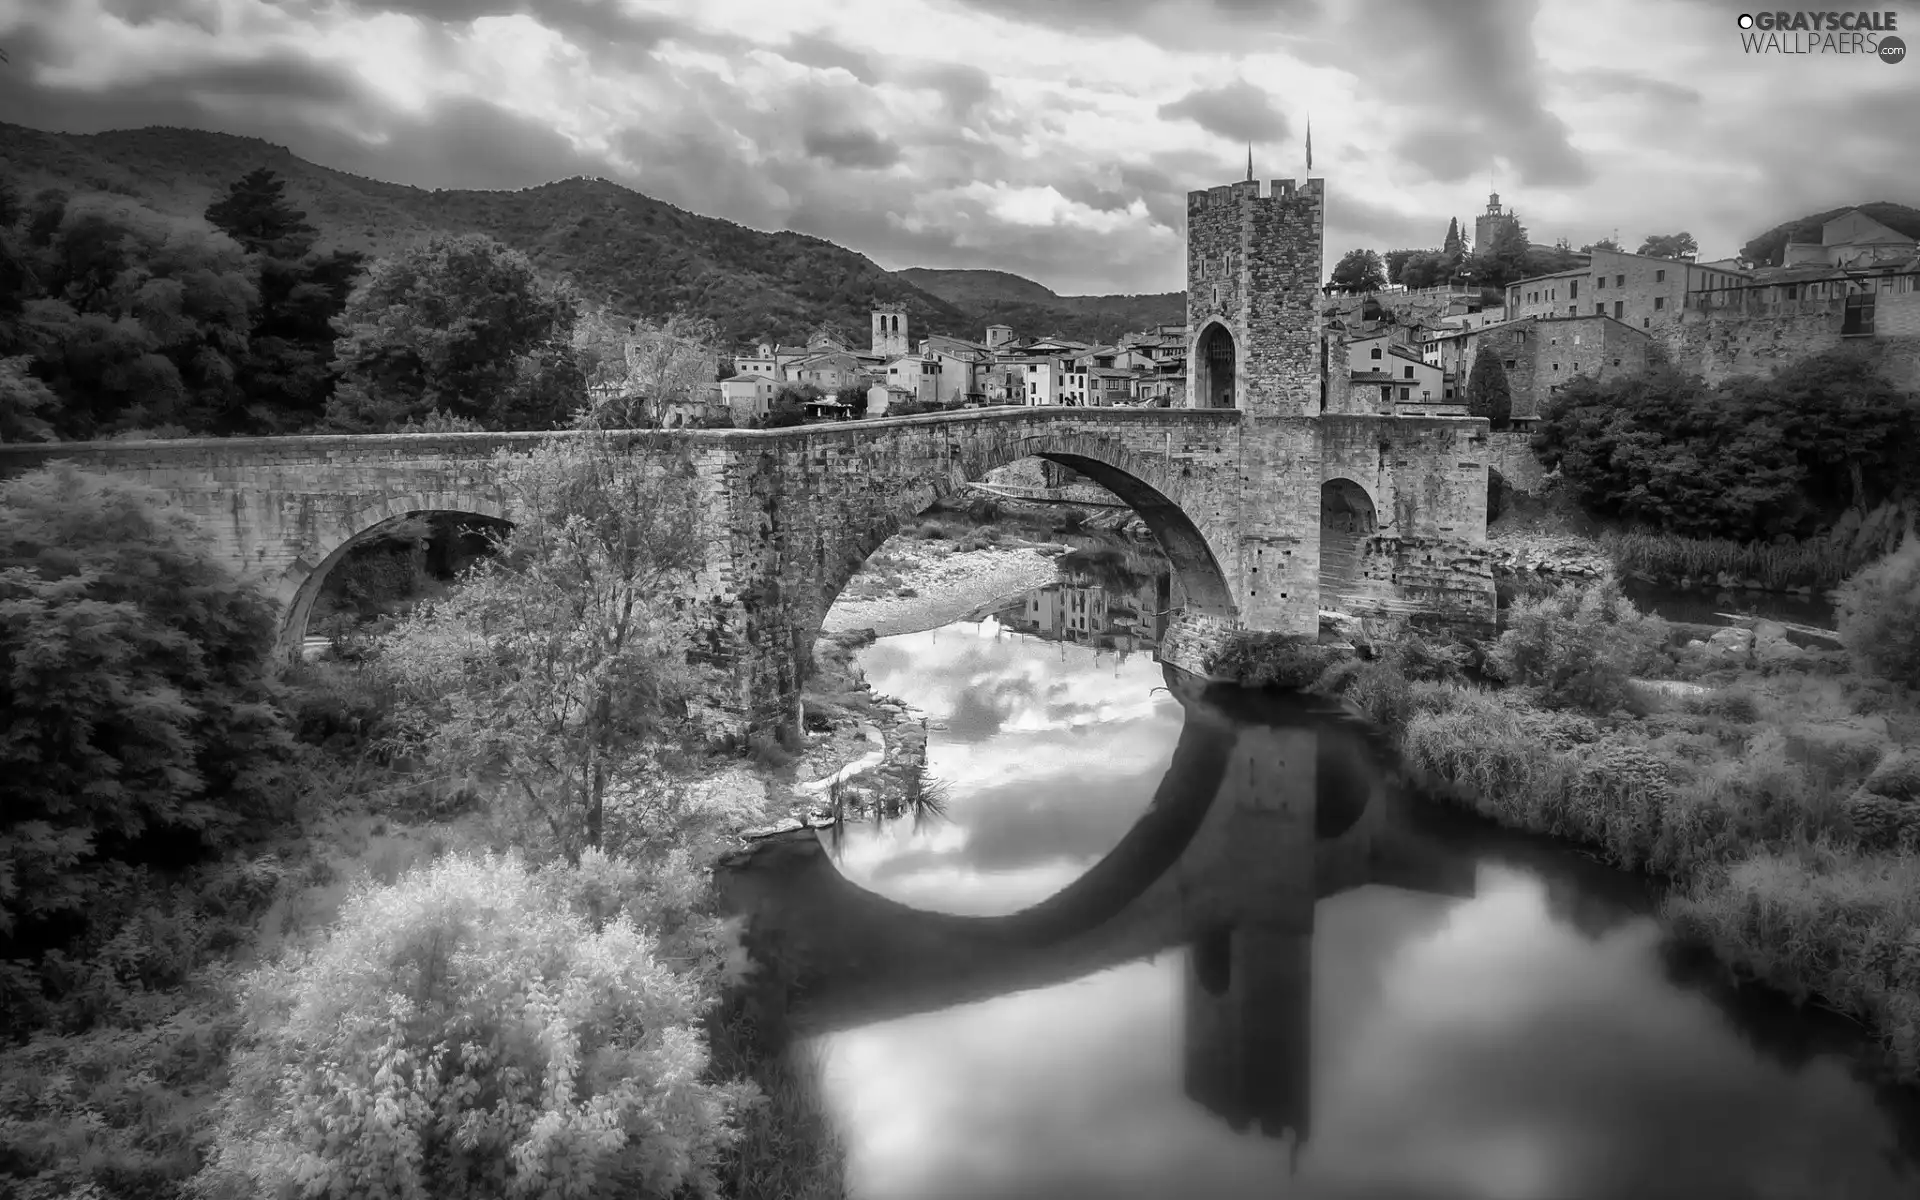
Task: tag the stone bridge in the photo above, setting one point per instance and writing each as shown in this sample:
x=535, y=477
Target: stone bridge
x=1265, y=809
x=1267, y=519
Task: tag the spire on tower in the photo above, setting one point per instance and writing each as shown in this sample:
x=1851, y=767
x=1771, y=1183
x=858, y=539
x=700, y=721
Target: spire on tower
x=1249, y=162
x=1309, y=145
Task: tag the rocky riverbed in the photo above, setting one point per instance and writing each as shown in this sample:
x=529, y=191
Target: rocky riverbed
x=914, y=585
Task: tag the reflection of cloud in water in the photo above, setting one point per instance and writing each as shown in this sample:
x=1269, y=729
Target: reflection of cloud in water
x=1462, y=1049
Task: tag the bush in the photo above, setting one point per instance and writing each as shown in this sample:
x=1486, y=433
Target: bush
x=1879, y=616
x=475, y=1030
x=1260, y=660
x=1578, y=646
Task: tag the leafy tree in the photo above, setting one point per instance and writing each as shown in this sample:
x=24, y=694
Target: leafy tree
x=478, y=1030
x=1605, y=243
x=1359, y=271
x=1430, y=268
x=461, y=324
x=25, y=403
x=661, y=364
x=1489, y=394
x=145, y=319
x=1396, y=261
x=1505, y=260
x=1879, y=616
x=1749, y=459
x=1669, y=245
x=132, y=670
x=1579, y=646
x=561, y=668
x=785, y=412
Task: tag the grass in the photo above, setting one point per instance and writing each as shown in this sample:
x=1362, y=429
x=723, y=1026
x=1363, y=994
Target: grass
x=789, y=1147
x=1784, y=805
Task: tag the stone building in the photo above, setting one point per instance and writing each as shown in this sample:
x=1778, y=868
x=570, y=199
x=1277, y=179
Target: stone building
x=1852, y=239
x=889, y=331
x=1639, y=289
x=1491, y=223
x=1253, y=297
x=1543, y=354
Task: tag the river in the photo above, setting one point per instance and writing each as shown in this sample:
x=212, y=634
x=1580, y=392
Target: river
x=1172, y=940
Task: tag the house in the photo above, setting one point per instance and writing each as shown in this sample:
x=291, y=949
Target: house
x=1541, y=355
x=1639, y=289
x=748, y=397
x=1383, y=370
x=1855, y=240
x=1042, y=375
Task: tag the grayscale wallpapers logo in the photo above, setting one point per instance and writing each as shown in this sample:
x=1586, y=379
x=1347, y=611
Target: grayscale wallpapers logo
x=1858, y=33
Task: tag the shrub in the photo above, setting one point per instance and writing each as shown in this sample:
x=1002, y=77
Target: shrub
x=1578, y=646
x=475, y=1030
x=1879, y=611
x=1273, y=660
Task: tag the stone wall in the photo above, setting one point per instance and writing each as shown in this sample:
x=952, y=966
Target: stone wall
x=1720, y=344
x=1510, y=452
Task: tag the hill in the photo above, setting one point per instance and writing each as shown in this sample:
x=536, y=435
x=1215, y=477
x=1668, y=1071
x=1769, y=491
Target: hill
x=1766, y=250
x=642, y=256
x=1008, y=299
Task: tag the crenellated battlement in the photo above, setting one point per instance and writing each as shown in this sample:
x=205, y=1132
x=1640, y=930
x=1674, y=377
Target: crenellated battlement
x=1281, y=190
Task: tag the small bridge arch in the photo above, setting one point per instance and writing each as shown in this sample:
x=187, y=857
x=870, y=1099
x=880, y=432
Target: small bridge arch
x=1215, y=367
x=1348, y=518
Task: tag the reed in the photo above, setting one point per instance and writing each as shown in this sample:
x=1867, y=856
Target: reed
x=1814, y=563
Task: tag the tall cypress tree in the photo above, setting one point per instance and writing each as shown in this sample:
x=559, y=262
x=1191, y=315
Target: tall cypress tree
x=1489, y=394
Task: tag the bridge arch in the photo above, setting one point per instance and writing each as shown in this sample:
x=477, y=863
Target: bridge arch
x=300, y=584
x=1215, y=368
x=1348, y=518
x=1142, y=482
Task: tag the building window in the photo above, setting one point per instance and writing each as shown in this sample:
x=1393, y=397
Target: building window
x=1511, y=364
x=1409, y=374
x=1600, y=282
x=1556, y=366
x=1386, y=395
x=1660, y=276
x=1646, y=322
x=1660, y=302
x=1376, y=352
x=1600, y=309
x=1616, y=362
x=1405, y=392
x=1573, y=289
x=1619, y=309
x=1619, y=281
x=1573, y=310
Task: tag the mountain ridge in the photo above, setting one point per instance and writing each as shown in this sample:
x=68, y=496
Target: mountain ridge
x=639, y=255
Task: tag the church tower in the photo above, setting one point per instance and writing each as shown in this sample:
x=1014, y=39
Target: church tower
x=1253, y=297
x=1487, y=226
x=889, y=331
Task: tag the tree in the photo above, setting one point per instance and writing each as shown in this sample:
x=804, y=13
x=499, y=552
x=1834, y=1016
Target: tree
x=1359, y=271
x=1396, y=261
x=133, y=674
x=1429, y=268
x=145, y=318
x=1505, y=259
x=1488, y=393
x=1454, y=244
x=1669, y=245
x=256, y=214
x=661, y=364
x=287, y=374
x=560, y=669
x=1605, y=243
x=1879, y=616
x=25, y=403
x=481, y=1030
x=1579, y=646
x=459, y=323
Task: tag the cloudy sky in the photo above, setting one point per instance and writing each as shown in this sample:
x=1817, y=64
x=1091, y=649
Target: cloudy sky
x=1054, y=138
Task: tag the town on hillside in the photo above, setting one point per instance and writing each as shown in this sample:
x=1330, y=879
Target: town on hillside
x=1408, y=351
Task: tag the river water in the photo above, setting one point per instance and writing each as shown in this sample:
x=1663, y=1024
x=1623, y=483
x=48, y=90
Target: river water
x=1172, y=940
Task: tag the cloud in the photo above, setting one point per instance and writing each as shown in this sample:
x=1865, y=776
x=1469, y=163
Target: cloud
x=1238, y=111
x=975, y=141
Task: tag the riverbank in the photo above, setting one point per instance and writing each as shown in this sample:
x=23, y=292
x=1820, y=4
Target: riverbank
x=914, y=585
x=1778, y=793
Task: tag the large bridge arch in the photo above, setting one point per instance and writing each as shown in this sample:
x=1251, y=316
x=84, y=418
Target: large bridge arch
x=1143, y=482
x=299, y=583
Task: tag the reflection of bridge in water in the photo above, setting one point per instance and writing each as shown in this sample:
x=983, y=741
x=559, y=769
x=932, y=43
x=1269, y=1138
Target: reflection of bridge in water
x=1254, y=821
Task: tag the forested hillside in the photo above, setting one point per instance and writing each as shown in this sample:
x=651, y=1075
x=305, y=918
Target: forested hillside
x=640, y=255
x=1028, y=306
